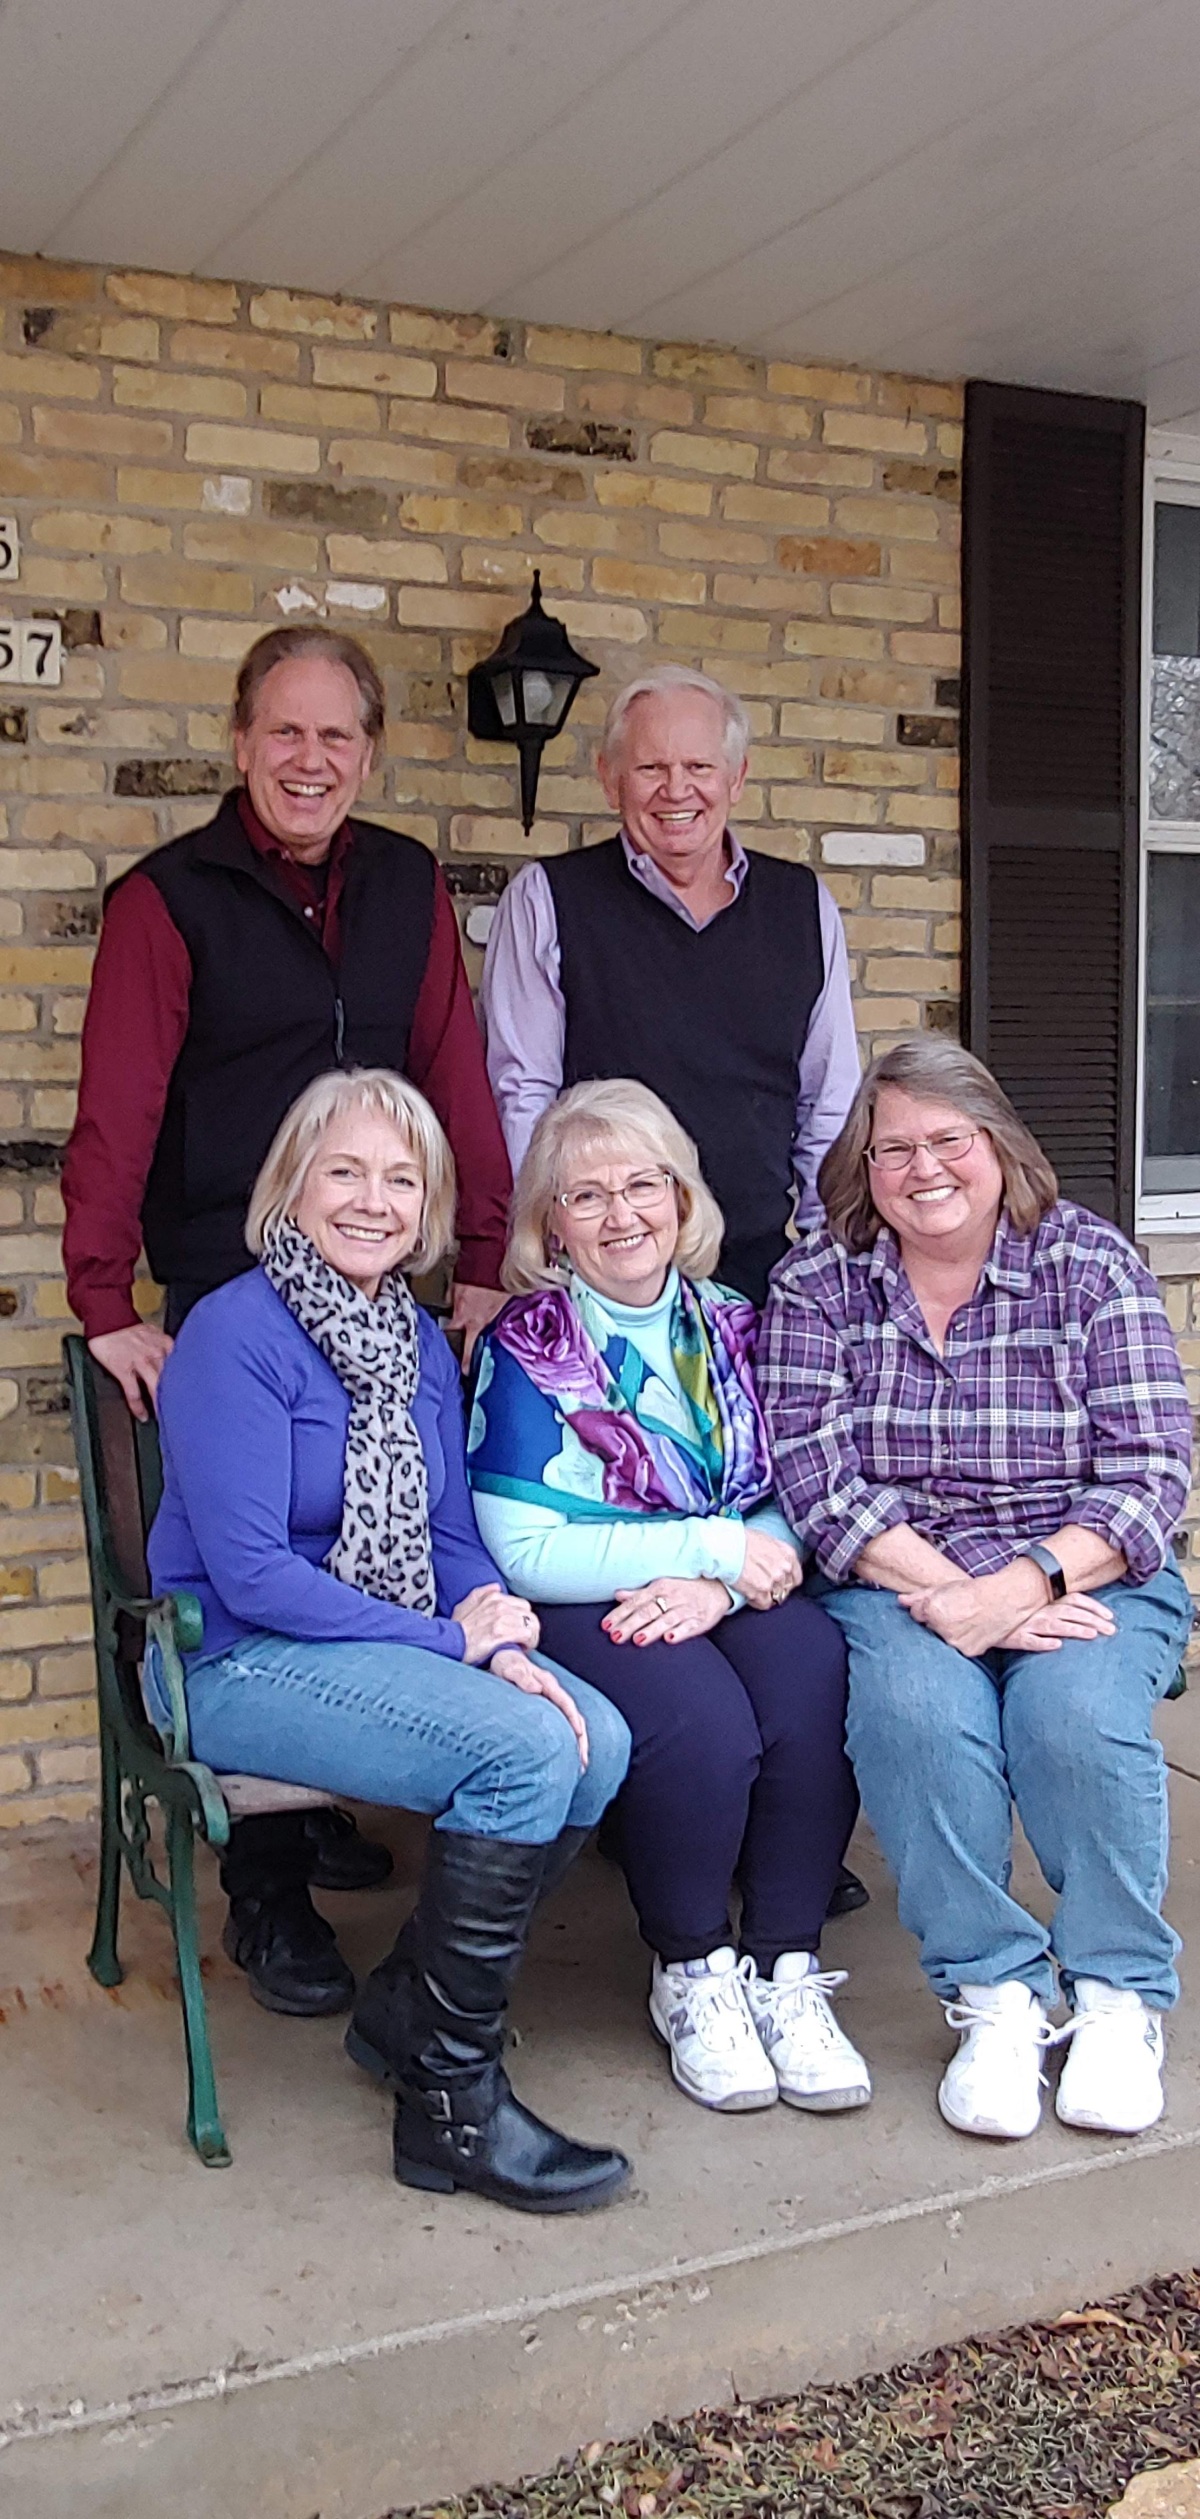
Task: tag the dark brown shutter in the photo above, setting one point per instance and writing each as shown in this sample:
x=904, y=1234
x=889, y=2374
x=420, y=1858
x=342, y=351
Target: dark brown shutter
x=1052, y=493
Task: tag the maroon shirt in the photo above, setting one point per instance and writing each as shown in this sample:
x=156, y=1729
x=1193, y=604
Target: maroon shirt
x=134, y=1030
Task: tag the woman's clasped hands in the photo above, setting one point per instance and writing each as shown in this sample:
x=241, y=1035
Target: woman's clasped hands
x=978, y=1613
x=491, y=1621
x=679, y=1607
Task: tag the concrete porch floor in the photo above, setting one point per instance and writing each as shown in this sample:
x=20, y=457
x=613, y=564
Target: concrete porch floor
x=295, y=2337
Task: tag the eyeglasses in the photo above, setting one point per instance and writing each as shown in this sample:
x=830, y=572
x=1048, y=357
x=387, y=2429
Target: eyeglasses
x=645, y=1192
x=896, y=1153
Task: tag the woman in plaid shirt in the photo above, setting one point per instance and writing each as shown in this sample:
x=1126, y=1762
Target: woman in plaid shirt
x=981, y=1433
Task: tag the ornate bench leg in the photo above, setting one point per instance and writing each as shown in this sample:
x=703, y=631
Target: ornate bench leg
x=102, y=1957
x=204, y=2124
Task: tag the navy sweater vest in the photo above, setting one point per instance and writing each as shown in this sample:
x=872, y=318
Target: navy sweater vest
x=713, y=1021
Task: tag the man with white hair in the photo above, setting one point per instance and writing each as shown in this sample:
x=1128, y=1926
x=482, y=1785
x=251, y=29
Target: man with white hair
x=669, y=953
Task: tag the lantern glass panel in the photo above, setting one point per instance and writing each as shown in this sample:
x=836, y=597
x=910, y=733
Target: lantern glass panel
x=546, y=696
x=505, y=698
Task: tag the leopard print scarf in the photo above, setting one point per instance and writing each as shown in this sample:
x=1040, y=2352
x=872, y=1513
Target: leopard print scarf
x=383, y=1545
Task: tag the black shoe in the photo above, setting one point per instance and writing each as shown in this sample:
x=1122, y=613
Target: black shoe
x=289, y=1954
x=848, y=1893
x=457, y=2123
x=340, y=1857
x=477, y=2135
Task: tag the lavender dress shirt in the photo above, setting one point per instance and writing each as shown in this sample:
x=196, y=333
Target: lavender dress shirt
x=525, y=1019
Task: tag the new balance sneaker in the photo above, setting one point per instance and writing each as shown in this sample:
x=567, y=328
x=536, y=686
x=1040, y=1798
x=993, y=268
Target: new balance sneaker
x=699, y=2008
x=1111, y=2082
x=815, y=2064
x=994, y=2084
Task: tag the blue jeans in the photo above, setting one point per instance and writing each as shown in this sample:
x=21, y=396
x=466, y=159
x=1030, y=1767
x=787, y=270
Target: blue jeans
x=944, y=1746
x=392, y=1723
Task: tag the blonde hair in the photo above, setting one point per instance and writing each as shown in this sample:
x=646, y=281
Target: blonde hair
x=660, y=679
x=608, y=1113
x=932, y=1070
x=277, y=1190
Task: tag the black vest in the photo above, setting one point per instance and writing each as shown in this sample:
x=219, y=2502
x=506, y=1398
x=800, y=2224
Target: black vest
x=713, y=1021
x=268, y=1013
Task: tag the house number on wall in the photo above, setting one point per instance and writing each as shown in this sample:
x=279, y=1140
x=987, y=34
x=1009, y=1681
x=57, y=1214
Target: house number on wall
x=31, y=652
x=10, y=548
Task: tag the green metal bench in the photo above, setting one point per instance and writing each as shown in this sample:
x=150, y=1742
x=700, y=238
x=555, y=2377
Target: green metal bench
x=120, y=1472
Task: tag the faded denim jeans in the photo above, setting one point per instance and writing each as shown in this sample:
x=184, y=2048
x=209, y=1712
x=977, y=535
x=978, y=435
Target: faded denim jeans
x=945, y=1746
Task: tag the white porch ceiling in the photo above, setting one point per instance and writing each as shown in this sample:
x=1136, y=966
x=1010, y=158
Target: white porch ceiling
x=1006, y=188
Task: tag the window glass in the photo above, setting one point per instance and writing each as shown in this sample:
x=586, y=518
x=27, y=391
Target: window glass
x=1172, y=1063
x=1175, y=666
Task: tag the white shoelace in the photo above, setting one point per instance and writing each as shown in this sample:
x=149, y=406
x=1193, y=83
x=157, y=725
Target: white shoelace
x=718, y=1995
x=1015, y=2034
x=797, y=1997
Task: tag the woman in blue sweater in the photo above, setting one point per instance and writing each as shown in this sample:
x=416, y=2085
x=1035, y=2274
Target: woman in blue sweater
x=619, y=1463
x=357, y=1634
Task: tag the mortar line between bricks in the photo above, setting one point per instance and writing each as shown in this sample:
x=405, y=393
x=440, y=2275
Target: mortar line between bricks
x=232, y=2382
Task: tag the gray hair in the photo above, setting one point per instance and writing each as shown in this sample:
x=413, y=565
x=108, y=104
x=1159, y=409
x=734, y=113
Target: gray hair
x=276, y=1192
x=660, y=679
x=306, y=638
x=609, y=1112
x=932, y=1069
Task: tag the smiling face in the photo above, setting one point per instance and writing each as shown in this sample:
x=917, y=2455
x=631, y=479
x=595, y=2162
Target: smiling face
x=362, y=1198
x=937, y=1205
x=626, y=1248
x=671, y=782
x=305, y=753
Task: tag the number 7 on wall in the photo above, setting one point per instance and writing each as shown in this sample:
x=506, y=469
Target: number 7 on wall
x=31, y=652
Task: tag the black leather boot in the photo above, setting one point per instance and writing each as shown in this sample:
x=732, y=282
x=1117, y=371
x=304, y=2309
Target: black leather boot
x=847, y=1894
x=288, y=1951
x=376, y=2038
x=340, y=1857
x=457, y=2122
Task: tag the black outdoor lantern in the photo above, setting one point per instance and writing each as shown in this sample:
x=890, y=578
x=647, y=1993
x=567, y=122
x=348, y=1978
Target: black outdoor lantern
x=522, y=693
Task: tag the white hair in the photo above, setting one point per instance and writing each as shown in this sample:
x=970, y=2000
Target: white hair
x=667, y=678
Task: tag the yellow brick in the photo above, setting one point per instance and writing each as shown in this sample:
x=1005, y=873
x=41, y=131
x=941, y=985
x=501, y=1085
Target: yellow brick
x=907, y=394
x=32, y=1810
x=424, y=467
x=923, y=813
x=210, y=639
x=895, y=1014
x=491, y=381
x=320, y=318
x=813, y=724
x=578, y=529
x=868, y=602
x=950, y=443
x=915, y=892
x=307, y=407
x=906, y=520
x=177, y=679
x=821, y=804
x=375, y=371
x=18, y=1014
x=100, y=433
x=146, y=389
x=49, y=1109
x=39, y=372
x=830, y=638
x=36, y=476
x=14, y=1775
x=867, y=934
x=69, y=1718
x=192, y=346
x=768, y=594
x=919, y=564
x=16, y=1679
x=358, y=555
x=208, y=730
x=73, y=529
x=10, y=424
x=641, y=489
x=419, y=742
x=26, y=1347
x=551, y=346
x=129, y=337
x=721, y=455
x=619, y=398
x=455, y=428
x=110, y=730
x=884, y=972
x=781, y=760
x=820, y=469
x=449, y=608
x=67, y=1674
x=49, y=777
x=748, y=416
x=925, y=647
x=486, y=835
x=98, y=826
x=794, y=511
x=448, y=787
x=181, y=301
x=818, y=384
x=737, y=638
x=498, y=564
x=139, y=488
x=946, y=773
x=771, y=841
x=484, y=519
x=947, y=936
x=472, y=336
x=57, y=1484
x=874, y=686
x=950, y=611
x=648, y=582
x=58, y=870
x=63, y=581
x=705, y=363
x=183, y=587
x=33, y=1534
x=62, y=1578
x=560, y=793
x=251, y=450
x=26, y=278
x=688, y=541
x=875, y=768
x=873, y=434
x=68, y=1766
x=260, y=546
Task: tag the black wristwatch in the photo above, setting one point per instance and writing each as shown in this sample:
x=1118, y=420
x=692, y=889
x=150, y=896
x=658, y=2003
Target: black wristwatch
x=1046, y=1559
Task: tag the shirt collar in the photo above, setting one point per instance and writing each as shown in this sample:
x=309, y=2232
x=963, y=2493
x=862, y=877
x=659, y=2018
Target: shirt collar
x=1009, y=1263
x=642, y=864
x=267, y=845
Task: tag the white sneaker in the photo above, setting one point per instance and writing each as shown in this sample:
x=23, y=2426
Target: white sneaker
x=1111, y=2082
x=815, y=2065
x=699, y=2008
x=994, y=2084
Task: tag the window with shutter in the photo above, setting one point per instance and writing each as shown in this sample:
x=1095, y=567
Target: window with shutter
x=1052, y=500
x=1169, y=1187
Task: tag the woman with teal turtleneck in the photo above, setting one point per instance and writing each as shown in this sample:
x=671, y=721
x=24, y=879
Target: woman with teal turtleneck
x=621, y=1480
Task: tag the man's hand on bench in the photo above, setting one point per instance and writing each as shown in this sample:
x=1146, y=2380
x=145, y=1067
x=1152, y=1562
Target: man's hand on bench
x=135, y=1358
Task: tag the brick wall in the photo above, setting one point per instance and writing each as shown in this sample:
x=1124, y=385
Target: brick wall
x=191, y=461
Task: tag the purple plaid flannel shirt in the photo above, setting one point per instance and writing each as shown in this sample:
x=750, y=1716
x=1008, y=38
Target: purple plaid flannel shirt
x=1059, y=1398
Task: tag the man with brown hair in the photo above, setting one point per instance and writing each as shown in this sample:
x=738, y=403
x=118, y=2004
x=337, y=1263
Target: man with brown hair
x=282, y=939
